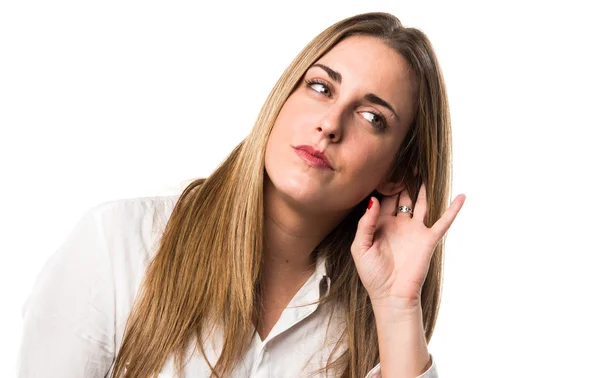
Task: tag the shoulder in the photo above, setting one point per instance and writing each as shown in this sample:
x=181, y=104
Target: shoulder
x=132, y=225
x=136, y=207
x=81, y=298
x=130, y=230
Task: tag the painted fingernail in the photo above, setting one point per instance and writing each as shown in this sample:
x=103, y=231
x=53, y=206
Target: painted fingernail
x=370, y=203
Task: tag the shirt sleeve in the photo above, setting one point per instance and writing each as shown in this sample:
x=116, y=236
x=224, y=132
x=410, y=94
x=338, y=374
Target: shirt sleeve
x=430, y=373
x=68, y=318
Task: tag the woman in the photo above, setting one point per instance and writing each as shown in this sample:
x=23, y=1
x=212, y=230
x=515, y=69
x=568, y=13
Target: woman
x=313, y=249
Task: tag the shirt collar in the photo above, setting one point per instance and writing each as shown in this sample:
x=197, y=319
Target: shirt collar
x=322, y=277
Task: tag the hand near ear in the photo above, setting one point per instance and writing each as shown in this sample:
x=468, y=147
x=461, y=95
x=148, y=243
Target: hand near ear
x=392, y=252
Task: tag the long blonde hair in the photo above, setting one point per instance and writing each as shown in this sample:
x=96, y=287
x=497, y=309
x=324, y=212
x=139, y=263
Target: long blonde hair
x=207, y=267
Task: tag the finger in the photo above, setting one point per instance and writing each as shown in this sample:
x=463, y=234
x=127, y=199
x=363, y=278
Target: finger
x=404, y=200
x=365, y=231
x=421, y=205
x=443, y=224
x=388, y=204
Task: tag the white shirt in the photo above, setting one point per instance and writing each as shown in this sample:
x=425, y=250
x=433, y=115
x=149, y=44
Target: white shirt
x=75, y=316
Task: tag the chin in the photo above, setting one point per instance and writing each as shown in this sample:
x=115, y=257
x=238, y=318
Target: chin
x=296, y=187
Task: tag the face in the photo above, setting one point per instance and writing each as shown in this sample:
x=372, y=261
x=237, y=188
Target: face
x=354, y=105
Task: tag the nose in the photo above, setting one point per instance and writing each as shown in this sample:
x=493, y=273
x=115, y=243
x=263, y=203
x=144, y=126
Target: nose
x=331, y=124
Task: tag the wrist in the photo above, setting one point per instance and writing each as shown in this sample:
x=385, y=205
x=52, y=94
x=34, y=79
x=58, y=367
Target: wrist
x=402, y=341
x=397, y=310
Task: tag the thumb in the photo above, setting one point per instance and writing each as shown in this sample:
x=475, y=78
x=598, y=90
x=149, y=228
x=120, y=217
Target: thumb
x=365, y=231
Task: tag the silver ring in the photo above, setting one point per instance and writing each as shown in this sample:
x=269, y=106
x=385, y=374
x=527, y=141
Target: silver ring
x=403, y=209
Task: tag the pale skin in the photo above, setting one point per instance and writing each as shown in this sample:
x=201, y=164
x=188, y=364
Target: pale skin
x=392, y=256
x=303, y=203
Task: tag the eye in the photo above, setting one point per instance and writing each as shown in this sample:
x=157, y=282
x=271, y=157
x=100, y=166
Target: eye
x=316, y=83
x=379, y=119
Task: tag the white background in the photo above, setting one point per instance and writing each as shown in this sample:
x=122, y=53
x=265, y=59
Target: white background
x=115, y=99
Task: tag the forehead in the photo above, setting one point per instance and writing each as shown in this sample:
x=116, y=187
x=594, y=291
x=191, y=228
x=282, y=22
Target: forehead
x=367, y=64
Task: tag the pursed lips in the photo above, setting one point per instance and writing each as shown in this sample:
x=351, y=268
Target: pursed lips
x=313, y=155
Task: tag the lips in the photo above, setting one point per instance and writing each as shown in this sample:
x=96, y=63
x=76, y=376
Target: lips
x=313, y=156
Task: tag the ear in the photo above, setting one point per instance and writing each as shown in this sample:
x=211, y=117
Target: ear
x=389, y=187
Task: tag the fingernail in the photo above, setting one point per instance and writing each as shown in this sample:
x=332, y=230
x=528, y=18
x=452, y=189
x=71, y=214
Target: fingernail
x=370, y=203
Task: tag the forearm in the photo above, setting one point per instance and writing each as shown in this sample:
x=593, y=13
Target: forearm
x=402, y=344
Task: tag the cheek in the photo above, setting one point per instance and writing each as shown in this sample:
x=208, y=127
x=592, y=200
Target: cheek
x=291, y=124
x=280, y=139
x=368, y=165
x=281, y=127
x=290, y=116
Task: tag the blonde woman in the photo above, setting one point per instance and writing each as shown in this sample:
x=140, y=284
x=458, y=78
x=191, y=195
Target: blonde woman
x=314, y=249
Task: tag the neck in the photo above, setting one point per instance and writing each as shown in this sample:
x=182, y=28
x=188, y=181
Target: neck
x=291, y=235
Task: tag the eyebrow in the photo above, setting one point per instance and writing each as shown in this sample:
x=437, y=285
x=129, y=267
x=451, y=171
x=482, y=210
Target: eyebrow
x=370, y=97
